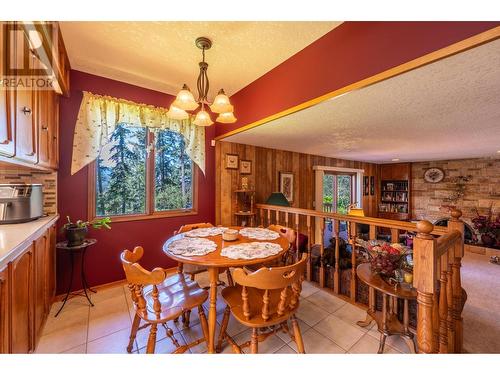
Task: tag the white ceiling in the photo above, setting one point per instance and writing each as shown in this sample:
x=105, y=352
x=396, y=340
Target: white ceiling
x=446, y=110
x=162, y=55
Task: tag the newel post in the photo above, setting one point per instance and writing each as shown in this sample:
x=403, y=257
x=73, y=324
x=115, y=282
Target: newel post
x=424, y=277
x=455, y=223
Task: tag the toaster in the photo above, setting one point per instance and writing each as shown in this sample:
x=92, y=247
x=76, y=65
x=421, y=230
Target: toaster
x=20, y=203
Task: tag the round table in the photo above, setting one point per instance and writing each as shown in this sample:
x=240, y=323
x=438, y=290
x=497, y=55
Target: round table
x=214, y=261
x=387, y=320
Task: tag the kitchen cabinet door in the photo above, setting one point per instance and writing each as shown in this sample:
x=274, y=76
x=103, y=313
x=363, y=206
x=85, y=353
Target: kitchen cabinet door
x=4, y=310
x=53, y=129
x=21, y=308
x=7, y=129
x=51, y=268
x=41, y=284
x=43, y=117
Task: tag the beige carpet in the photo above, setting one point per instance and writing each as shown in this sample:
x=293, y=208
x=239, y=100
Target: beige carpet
x=481, y=314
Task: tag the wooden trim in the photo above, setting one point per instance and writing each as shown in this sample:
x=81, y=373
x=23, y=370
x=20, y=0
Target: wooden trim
x=440, y=54
x=337, y=169
x=150, y=193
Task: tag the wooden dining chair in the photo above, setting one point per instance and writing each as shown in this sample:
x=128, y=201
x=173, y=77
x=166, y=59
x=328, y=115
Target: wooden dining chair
x=159, y=299
x=267, y=298
x=288, y=258
x=191, y=269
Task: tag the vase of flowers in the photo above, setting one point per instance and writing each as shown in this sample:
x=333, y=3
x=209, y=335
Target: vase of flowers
x=387, y=259
x=489, y=228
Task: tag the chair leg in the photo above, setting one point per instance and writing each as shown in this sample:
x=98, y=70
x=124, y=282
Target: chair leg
x=152, y=339
x=298, y=335
x=229, y=277
x=186, y=315
x=133, y=332
x=203, y=322
x=254, y=343
x=223, y=328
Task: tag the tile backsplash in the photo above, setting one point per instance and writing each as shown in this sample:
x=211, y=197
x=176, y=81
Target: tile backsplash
x=47, y=179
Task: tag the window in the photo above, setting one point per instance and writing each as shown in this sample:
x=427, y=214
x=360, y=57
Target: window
x=134, y=180
x=339, y=191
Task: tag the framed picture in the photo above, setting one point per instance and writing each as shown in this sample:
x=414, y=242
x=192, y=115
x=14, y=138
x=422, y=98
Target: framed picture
x=372, y=185
x=245, y=166
x=366, y=185
x=286, y=185
x=231, y=161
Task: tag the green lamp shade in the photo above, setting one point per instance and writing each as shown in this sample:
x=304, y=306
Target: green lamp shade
x=278, y=199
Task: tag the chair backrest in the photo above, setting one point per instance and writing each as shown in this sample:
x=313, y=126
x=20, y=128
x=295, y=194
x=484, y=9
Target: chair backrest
x=188, y=227
x=138, y=278
x=288, y=279
x=288, y=233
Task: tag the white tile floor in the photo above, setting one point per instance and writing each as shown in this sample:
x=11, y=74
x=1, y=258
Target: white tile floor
x=328, y=325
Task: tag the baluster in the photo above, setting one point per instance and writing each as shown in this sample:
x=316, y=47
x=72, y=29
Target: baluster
x=424, y=276
x=297, y=235
x=456, y=223
x=265, y=306
x=394, y=235
x=373, y=232
x=286, y=219
x=244, y=298
x=309, y=234
x=268, y=217
x=435, y=312
x=336, y=275
x=449, y=316
x=322, y=253
x=352, y=240
x=443, y=306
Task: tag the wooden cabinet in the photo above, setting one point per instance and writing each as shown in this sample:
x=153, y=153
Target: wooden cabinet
x=7, y=128
x=4, y=310
x=22, y=303
x=27, y=289
x=29, y=117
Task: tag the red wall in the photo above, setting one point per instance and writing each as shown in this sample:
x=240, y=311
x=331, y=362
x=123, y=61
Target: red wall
x=349, y=53
x=102, y=260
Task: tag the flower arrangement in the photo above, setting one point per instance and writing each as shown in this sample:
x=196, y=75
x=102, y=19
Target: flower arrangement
x=386, y=258
x=488, y=226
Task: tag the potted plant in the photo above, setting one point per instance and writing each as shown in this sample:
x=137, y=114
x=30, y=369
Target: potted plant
x=76, y=232
x=488, y=227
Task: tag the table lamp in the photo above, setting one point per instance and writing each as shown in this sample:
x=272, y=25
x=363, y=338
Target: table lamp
x=278, y=199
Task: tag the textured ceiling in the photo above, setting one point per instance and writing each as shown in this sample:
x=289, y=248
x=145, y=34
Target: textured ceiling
x=162, y=55
x=446, y=110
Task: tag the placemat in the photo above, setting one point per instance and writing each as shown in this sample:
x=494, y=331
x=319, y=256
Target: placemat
x=259, y=233
x=251, y=250
x=189, y=246
x=205, y=232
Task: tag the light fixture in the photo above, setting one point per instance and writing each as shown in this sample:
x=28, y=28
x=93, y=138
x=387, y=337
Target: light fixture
x=185, y=101
x=176, y=113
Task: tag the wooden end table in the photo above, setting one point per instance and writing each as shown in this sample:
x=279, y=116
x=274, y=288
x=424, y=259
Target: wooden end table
x=387, y=320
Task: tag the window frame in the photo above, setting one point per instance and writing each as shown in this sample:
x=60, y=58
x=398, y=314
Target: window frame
x=150, y=192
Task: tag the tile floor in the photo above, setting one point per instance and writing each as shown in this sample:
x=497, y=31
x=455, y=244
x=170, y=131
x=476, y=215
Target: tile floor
x=327, y=324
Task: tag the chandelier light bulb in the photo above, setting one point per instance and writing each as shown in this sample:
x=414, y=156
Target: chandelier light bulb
x=185, y=100
x=203, y=118
x=226, y=118
x=221, y=103
x=176, y=113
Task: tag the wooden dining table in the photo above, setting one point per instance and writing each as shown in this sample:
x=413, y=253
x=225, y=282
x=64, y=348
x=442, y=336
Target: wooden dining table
x=214, y=261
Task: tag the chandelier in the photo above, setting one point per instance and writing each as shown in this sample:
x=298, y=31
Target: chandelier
x=185, y=101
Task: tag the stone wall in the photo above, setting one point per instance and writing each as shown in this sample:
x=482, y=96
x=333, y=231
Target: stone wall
x=16, y=175
x=483, y=189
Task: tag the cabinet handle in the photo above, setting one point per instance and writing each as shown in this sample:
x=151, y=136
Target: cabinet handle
x=6, y=142
x=30, y=154
x=45, y=128
x=26, y=110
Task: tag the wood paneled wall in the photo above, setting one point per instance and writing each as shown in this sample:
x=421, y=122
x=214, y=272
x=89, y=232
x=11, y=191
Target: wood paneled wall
x=266, y=165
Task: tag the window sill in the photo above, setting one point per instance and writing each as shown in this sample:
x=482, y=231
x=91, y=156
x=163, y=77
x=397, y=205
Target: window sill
x=156, y=215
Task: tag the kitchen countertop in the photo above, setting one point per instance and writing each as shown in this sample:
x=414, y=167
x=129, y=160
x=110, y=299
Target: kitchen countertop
x=16, y=237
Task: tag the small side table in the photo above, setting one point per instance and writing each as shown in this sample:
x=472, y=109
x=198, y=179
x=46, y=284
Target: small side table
x=387, y=319
x=72, y=250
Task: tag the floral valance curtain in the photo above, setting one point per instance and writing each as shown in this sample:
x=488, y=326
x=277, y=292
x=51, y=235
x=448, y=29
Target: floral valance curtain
x=100, y=115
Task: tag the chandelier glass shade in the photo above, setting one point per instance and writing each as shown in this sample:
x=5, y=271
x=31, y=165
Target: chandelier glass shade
x=185, y=100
